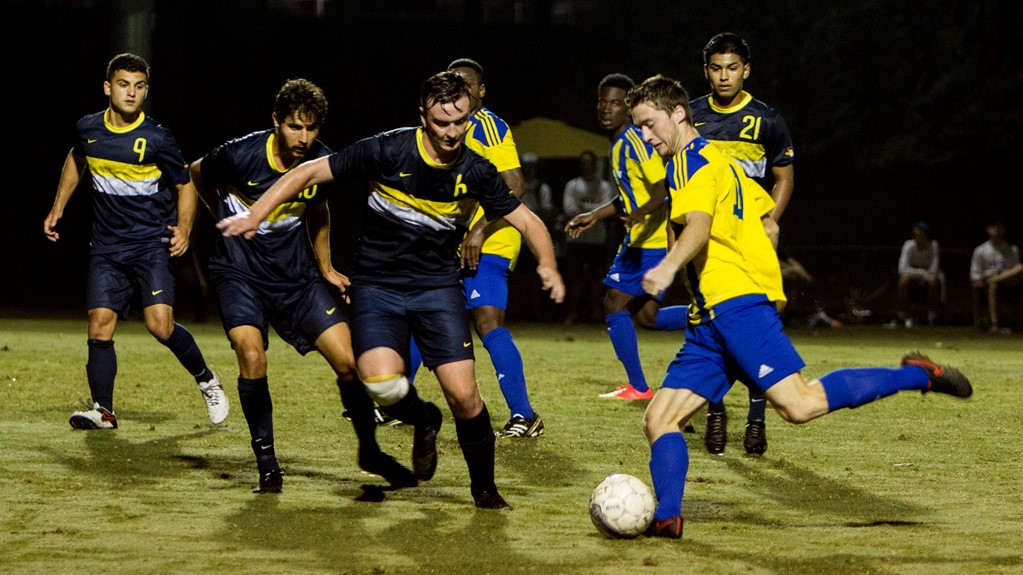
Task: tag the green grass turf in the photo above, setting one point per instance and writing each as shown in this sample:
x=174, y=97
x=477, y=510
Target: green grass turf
x=911, y=484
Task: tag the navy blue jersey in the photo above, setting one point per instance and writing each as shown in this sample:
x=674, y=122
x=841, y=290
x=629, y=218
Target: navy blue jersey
x=751, y=132
x=242, y=170
x=418, y=210
x=132, y=169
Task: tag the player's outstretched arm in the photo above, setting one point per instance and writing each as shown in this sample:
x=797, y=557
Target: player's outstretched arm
x=306, y=174
x=539, y=241
x=70, y=176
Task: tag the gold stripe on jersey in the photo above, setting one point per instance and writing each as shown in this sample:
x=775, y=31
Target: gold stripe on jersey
x=751, y=156
x=440, y=216
x=113, y=169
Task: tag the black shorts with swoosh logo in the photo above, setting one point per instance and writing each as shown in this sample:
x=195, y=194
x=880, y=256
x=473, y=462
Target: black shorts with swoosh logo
x=384, y=316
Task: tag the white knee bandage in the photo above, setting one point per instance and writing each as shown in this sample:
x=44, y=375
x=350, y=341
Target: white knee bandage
x=387, y=390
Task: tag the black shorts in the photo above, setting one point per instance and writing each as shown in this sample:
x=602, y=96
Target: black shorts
x=385, y=316
x=298, y=312
x=115, y=276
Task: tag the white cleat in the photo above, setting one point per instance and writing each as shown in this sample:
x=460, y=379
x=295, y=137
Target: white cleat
x=216, y=399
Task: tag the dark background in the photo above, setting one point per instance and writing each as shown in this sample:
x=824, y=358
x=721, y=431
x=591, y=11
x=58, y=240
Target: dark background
x=900, y=111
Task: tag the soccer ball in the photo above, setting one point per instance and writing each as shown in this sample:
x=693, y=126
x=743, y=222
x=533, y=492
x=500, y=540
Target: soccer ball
x=622, y=506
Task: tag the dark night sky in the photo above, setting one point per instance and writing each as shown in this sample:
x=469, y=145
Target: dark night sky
x=899, y=111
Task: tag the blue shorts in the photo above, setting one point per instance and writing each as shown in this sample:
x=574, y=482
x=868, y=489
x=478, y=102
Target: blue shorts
x=115, y=276
x=299, y=312
x=384, y=316
x=744, y=342
x=626, y=273
x=488, y=283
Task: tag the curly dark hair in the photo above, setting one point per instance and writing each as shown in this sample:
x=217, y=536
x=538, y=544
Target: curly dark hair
x=301, y=97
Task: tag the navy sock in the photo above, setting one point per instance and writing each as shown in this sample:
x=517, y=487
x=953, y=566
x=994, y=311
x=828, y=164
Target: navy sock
x=254, y=395
x=507, y=360
x=101, y=370
x=757, y=406
x=410, y=409
x=183, y=345
x=669, y=465
x=716, y=406
x=671, y=318
x=855, y=387
x=623, y=340
x=360, y=408
x=476, y=438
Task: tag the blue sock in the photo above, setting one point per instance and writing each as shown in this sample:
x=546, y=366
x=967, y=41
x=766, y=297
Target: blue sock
x=623, y=339
x=101, y=369
x=183, y=345
x=508, y=364
x=669, y=465
x=855, y=387
x=415, y=359
x=671, y=318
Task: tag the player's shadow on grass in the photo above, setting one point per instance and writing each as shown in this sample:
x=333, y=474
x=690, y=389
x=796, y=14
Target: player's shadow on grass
x=119, y=460
x=797, y=488
x=428, y=529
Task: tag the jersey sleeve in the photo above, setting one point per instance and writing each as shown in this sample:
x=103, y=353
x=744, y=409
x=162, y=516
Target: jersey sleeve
x=778, y=144
x=171, y=161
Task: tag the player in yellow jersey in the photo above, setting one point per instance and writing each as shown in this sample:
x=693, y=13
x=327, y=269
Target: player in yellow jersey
x=734, y=330
x=639, y=176
x=756, y=136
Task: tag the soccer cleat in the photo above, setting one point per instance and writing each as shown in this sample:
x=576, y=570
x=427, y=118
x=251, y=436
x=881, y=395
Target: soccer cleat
x=519, y=426
x=717, y=432
x=270, y=482
x=490, y=499
x=96, y=418
x=756, y=438
x=670, y=528
x=942, y=378
x=216, y=399
x=379, y=463
x=628, y=392
x=424, y=443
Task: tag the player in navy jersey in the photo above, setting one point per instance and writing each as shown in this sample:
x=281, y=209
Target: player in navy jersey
x=425, y=186
x=639, y=175
x=279, y=279
x=489, y=253
x=754, y=135
x=137, y=171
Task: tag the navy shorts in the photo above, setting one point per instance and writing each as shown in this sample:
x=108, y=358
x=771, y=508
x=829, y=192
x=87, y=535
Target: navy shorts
x=384, y=316
x=488, y=283
x=629, y=267
x=744, y=342
x=115, y=276
x=298, y=312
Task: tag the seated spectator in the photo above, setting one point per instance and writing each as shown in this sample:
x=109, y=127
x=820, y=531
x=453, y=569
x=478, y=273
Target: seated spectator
x=920, y=267
x=995, y=273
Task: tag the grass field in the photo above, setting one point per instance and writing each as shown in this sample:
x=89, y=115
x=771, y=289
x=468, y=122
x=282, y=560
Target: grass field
x=913, y=484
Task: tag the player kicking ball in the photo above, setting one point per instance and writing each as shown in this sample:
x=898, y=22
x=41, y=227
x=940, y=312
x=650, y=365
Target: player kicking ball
x=734, y=330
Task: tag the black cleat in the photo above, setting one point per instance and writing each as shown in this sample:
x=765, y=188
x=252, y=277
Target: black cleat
x=519, y=426
x=756, y=438
x=379, y=463
x=490, y=499
x=717, y=432
x=943, y=379
x=270, y=482
x=670, y=528
x=424, y=443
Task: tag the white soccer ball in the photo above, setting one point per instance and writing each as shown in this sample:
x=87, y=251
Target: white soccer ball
x=622, y=506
